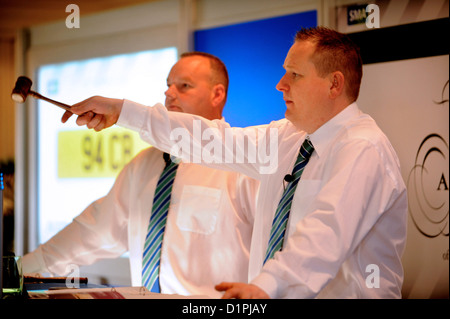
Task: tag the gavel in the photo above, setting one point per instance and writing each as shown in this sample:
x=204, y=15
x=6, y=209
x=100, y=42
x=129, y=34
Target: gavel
x=22, y=89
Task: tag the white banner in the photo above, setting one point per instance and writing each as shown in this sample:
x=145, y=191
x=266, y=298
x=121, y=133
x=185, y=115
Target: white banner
x=409, y=99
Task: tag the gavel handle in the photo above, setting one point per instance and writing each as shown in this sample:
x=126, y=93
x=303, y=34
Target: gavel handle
x=39, y=96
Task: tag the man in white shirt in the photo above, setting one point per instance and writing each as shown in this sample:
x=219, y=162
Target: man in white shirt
x=346, y=230
x=210, y=219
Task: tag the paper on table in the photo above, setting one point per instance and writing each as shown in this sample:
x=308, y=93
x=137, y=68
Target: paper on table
x=107, y=293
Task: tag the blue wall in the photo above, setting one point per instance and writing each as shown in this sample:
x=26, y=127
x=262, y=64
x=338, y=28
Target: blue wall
x=254, y=54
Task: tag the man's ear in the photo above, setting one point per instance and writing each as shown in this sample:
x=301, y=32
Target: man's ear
x=218, y=95
x=337, y=84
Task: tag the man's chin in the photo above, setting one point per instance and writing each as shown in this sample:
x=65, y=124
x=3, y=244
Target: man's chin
x=295, y=121
x=174, y=109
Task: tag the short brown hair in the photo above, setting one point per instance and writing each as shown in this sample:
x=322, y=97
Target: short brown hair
x=335, y=52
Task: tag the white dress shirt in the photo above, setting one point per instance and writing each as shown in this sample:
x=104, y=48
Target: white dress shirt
x=347, y=226
x=207, y=236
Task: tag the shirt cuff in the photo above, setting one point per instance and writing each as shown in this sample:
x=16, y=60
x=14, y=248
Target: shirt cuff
x=268, y=283
x=34, y=262
x=132, y=116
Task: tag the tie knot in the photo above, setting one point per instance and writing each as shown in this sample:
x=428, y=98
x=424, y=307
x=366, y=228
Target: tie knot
x=303, y=158
x=169, y=159
x=306, y=149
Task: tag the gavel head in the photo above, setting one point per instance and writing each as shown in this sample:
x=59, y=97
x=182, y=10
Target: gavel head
x=21, y=90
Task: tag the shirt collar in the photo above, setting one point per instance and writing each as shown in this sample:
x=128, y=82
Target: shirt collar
x=326, y=133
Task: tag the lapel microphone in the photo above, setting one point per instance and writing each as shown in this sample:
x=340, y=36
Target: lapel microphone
x=287, y=179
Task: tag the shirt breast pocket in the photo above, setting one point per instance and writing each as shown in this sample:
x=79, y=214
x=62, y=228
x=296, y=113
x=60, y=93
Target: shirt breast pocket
x=198, y=210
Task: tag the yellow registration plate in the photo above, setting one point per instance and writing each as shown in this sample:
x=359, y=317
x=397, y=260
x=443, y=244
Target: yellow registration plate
x=86, y=153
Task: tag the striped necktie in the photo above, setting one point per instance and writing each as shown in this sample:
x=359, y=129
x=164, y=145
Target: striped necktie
x=284, y=206
x=155, y=233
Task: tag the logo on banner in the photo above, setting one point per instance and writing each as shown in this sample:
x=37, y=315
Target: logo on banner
x=428, y=187
x=363, y=13
x=428, y=184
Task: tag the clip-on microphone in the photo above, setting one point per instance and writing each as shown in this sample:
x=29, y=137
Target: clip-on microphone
x=287, y=178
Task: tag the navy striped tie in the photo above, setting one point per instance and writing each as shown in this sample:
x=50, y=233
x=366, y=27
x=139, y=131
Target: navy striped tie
x=284, y=206
x=153, y=240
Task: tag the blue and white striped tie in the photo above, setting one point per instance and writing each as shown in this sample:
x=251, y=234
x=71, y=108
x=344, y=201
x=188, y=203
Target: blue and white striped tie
x=284, y=206
x=153, y=240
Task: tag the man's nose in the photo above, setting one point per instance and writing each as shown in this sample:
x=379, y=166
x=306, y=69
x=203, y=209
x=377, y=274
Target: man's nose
x=282, y=86
x=170, y=92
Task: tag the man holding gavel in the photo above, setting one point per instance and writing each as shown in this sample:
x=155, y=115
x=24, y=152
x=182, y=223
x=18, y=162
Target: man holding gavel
x=338, y=228
x=182, y=241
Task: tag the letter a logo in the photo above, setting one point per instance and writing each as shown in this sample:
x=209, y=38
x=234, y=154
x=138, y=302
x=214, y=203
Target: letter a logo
x=73, y=19
x=373, y=17
x=373, y=279
x=73, y=279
